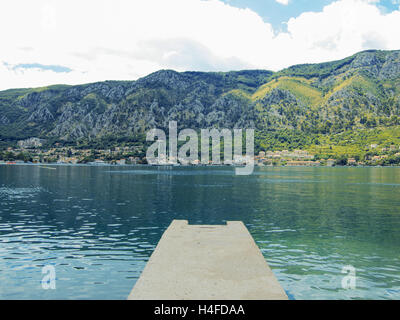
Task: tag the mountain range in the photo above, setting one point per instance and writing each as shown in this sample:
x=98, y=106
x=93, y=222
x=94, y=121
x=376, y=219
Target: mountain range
x=298, y=106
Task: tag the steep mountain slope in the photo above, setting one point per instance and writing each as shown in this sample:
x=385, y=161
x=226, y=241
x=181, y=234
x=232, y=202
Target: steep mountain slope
x=357, y=92
x=361, y=91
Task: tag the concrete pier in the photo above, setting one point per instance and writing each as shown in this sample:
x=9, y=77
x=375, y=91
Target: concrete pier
x=199, y=262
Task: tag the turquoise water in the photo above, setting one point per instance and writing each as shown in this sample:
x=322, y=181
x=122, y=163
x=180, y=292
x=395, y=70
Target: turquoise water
x=99, y=225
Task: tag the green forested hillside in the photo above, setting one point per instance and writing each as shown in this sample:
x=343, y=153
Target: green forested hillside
x=336, y=107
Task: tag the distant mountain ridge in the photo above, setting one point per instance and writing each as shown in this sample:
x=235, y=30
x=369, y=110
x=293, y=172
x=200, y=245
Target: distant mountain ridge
x=361, y=91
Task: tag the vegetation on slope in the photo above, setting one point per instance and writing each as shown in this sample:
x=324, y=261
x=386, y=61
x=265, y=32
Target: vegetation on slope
x=332, y=109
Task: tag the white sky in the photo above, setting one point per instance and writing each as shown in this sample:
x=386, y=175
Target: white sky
x=123, y=40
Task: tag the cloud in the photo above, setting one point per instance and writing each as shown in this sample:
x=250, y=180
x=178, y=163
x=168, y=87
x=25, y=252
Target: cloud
x=341, y=29
x=98, y=40
x=183, y=54
x=284, y=2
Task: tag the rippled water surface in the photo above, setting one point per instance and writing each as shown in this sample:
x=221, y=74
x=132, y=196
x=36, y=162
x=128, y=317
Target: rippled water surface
x=99, y=225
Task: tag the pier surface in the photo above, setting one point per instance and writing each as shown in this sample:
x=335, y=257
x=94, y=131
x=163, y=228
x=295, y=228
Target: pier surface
x=199, y=262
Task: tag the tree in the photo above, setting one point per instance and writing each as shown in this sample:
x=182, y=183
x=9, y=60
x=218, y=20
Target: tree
x=341, y=161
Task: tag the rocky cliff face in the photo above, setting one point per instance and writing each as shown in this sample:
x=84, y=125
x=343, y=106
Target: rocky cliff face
x=356, y=92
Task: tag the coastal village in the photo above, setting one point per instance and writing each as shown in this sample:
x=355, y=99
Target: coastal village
x=32, y=151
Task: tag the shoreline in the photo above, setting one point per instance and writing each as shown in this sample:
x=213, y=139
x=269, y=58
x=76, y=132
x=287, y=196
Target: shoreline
x=44, y=165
